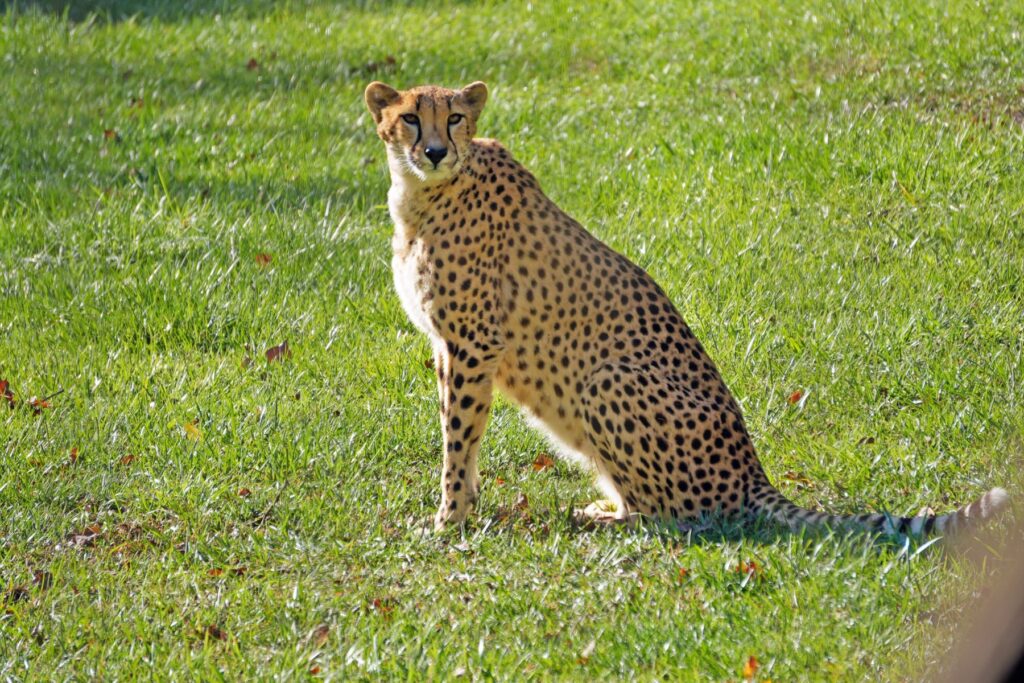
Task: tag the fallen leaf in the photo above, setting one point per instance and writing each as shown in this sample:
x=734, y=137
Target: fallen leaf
x=683, y=573
x=498, y=481
x=320, y=635
x=542, y=462
x=244, y=493
x=795, y=397
x=749, y=567
x=192, y=431
x=73, y=457
x=216, y=632
x=252, y=64
x=38, y=405
x=750, y=667
x=127, y=459
x=263, y=260
x=314, y=670
x=278, y=352
x=5, y=391
x=383, y=606
x=522, y=503
x=111, y=134
x=86, y=537
x=215, y=572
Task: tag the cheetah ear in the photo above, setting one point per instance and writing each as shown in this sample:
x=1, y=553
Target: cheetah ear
x=475, y=96
x=378, y=96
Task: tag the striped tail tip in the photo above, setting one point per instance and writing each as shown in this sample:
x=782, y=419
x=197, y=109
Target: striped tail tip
x=982, y=509
x=988, y=506
x=994, y=502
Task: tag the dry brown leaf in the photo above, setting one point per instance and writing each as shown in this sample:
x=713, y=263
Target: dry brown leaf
x=542, y=462
x=750, y=667
x=127, y=459
x=244, y=492
x=382, y=606
x=263, y=260
x=750, y=568
x=215, y=632
x=6, y=393
x=38, y=405
x=320, y=635
x=86, y=537
x=795, y=397
x=73, y=457
x=279, y=352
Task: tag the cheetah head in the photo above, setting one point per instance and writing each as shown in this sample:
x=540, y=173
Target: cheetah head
x=427, y=130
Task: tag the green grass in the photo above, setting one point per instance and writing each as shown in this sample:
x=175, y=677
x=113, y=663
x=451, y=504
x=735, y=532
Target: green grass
x=832, y=196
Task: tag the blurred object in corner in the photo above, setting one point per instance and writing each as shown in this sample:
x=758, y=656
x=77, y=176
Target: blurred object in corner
x=992, y=650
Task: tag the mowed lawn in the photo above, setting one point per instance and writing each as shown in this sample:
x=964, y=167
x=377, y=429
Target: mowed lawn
x=833, y=197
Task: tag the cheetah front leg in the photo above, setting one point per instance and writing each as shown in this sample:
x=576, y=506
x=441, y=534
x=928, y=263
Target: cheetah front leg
x=465, y=381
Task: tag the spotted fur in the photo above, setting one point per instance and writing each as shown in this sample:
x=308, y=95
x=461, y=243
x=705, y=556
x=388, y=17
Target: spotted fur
x=515, y=295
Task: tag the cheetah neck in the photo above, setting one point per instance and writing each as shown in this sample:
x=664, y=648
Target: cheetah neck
x=410, y=200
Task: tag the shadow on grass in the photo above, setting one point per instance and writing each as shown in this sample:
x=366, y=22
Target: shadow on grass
x=113, y=11
x=976, y=546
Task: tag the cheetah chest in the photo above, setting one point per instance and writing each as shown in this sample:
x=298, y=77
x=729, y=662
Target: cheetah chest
x=412, y=282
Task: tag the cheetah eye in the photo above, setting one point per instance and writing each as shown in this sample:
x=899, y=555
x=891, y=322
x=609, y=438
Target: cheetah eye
x=455, y=119
x=411, y=119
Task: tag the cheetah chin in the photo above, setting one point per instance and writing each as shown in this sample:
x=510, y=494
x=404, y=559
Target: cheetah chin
x=514, y=294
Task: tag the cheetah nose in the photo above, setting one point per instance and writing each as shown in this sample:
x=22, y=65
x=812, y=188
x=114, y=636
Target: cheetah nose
x=435, y=154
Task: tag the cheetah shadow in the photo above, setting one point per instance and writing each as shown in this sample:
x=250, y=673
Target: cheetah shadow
x=749, y=530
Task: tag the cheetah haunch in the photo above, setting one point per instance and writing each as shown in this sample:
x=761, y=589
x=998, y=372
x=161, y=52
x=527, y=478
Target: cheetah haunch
x=516, y=295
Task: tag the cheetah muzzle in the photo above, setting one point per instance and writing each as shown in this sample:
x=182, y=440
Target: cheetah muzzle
x=514, y=294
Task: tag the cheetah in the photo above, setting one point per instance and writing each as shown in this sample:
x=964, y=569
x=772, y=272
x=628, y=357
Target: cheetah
x=517, y=296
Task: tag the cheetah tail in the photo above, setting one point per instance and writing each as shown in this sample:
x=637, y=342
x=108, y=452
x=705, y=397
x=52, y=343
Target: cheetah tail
x=984, y=508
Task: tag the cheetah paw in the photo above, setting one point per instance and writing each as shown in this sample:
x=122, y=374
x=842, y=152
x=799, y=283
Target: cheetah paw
x=604, y=512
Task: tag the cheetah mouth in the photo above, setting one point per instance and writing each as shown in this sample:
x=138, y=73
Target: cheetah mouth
x=427, y=170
